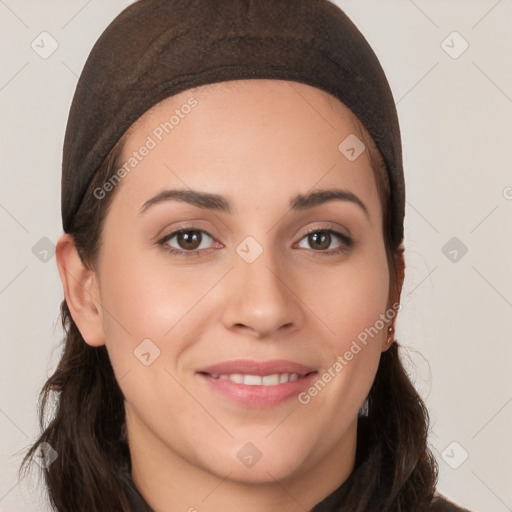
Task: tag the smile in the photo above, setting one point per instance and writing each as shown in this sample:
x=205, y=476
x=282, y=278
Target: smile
x=258, y=380
x=256, y=384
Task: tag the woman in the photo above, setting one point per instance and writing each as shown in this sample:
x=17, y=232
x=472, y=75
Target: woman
x=232, y=262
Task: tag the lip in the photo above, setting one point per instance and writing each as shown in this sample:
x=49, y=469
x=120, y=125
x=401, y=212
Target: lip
x=259, y=397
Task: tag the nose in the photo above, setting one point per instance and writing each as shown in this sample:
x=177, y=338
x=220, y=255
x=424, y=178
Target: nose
x=261, y=297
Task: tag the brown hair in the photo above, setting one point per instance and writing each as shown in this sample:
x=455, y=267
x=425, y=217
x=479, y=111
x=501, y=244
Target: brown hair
x=86, y=416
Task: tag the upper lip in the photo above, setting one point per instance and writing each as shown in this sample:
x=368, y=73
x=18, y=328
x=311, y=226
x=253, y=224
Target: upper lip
x=262, y=368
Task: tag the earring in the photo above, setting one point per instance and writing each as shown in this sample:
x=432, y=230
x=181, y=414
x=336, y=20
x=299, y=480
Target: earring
x=391, y=330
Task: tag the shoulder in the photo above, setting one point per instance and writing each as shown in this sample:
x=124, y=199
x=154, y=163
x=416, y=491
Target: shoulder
x=441, y=504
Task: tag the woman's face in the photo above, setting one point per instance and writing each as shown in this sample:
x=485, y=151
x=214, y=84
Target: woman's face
x=252, y=290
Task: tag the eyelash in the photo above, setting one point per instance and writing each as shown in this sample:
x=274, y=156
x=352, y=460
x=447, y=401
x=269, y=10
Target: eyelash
x=346, y=245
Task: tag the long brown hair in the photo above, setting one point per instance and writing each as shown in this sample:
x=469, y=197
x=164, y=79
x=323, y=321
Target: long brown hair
x=82, y=416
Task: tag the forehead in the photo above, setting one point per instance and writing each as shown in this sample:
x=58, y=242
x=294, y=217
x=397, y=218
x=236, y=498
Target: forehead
x=245, y=136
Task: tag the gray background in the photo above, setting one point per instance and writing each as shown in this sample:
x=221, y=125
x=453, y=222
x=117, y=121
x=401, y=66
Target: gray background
x=455, y=111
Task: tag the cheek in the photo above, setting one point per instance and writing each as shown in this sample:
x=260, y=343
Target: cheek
x=352, y=304
x=145, y=301
x=352, y=298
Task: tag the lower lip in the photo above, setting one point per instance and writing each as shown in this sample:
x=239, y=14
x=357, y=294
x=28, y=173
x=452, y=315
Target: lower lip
x=258, y=396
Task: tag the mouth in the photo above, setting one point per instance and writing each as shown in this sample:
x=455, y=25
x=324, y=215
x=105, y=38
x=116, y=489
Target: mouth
x=259, y=380
x=256, y=384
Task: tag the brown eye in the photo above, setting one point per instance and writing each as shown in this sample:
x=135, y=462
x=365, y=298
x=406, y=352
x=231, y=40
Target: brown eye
x=189, y=240
x=186, y=240
x=321, y=239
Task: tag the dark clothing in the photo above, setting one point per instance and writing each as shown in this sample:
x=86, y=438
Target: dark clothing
x=366, y=460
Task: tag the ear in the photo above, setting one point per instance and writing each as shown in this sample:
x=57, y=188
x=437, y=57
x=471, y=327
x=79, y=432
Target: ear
x=395, y=291
x=81, y=291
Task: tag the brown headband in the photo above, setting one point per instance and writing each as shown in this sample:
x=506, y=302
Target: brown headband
x=157, y=48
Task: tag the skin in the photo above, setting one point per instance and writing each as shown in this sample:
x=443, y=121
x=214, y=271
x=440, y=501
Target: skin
x=259, y=143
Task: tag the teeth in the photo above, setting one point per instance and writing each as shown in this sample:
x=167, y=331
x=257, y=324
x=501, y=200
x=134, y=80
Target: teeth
x=252, y=380
x=258, y=380
x=270, y=380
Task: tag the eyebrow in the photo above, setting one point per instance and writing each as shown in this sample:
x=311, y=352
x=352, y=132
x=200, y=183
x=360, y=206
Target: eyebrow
x=219, y=203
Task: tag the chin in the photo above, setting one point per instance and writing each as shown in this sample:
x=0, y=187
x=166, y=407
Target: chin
x=253, y=466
